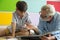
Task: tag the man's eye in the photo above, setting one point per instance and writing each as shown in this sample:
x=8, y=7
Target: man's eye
x=45, y=16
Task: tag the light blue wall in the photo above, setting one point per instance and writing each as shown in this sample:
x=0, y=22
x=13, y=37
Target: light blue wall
x=35, y=5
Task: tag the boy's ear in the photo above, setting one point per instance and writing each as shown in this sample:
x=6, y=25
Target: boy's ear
x=16, y=8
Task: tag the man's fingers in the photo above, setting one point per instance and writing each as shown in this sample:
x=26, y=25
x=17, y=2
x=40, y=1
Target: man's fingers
x=51, y=38
x=44, y=38
x=48, y=35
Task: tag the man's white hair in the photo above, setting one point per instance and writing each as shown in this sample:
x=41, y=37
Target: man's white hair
x=49, y=8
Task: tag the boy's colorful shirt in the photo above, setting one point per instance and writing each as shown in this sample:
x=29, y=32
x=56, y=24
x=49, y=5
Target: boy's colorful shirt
x=20, y=23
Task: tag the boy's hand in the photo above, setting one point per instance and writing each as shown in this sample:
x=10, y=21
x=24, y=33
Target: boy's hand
x=30, y=27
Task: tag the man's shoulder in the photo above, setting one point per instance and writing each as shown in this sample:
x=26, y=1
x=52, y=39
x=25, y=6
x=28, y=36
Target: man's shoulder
x=58, y=13
x=57, y=16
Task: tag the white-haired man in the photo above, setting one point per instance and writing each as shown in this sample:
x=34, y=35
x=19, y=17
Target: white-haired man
x=49, y=21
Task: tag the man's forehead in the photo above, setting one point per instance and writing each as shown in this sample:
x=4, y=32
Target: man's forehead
x=45, y=7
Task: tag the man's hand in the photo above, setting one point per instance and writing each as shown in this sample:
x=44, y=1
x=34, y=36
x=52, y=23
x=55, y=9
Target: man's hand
x=48, y=38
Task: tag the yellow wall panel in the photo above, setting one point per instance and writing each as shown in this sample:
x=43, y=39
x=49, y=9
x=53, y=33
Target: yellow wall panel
x=5, y=18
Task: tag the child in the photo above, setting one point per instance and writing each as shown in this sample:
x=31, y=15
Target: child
x=20, y=21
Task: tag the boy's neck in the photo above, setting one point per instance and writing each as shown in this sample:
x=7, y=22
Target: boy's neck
x=20, y=16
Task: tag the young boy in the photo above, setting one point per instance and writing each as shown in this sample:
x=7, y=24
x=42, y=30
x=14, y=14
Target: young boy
x=20, y=21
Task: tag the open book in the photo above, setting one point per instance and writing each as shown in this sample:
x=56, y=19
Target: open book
x=57, y=32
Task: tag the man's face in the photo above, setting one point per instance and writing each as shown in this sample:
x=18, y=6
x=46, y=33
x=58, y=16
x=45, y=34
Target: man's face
x=20, y=13
x=44, y=16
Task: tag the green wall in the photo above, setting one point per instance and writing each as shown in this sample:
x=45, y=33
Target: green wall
x=33, y=5
x=7, y=5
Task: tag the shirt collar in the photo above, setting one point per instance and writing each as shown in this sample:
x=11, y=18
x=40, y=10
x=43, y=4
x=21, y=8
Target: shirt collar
x=22, y=17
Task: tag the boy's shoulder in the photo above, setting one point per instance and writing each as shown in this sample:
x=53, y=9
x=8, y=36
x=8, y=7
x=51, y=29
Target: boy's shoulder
x=15, y=14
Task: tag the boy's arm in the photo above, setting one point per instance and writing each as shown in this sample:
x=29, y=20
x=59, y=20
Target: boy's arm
x=13, y=29
x=31, y=27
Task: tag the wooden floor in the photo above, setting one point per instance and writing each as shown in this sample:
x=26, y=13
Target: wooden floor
x=1, y=38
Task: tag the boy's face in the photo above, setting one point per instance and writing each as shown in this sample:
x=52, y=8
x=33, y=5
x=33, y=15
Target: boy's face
x=20, y=13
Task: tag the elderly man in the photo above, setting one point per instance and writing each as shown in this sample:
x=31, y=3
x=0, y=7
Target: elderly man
x=49, y=21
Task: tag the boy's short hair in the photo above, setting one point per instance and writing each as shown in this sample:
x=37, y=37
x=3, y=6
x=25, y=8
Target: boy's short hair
x=21, y=5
